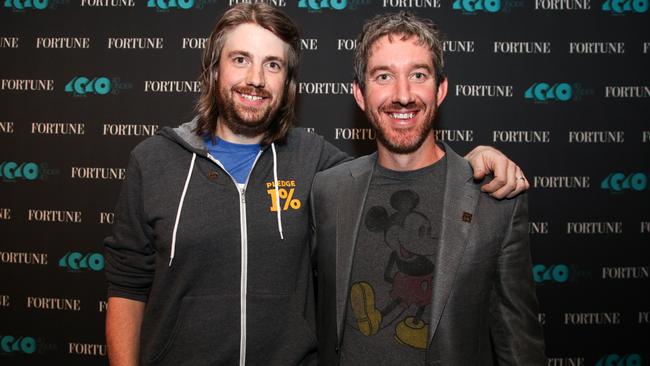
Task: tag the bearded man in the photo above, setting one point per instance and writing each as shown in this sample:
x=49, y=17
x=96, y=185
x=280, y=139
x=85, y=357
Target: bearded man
x=417, y=266
x=206, y=264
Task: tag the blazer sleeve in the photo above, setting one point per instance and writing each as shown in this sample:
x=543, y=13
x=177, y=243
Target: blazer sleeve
x=514, y=326
x=130, y=257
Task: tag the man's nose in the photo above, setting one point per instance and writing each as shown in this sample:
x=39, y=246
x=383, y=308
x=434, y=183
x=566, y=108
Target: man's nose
x=403, y=93
x=255, y=76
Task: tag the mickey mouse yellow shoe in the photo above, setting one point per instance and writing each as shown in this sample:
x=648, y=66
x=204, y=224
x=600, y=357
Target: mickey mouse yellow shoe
x=412, y=332
x=362, y=299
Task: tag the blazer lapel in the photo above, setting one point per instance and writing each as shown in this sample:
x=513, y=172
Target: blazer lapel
x=351, y=195
x=460, y=200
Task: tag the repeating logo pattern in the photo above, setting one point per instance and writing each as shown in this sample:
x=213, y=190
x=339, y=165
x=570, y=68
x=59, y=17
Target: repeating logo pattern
x=561, y=86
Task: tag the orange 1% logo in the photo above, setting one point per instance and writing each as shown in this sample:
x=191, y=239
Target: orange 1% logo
x=287, y=196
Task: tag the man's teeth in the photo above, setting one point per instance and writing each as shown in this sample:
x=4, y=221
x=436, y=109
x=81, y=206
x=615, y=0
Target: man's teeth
x=251, y=97
x=402, y=115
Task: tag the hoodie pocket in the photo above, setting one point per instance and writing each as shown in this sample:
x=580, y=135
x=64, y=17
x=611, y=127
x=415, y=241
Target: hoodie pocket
x=278, y=333
x=206, y=332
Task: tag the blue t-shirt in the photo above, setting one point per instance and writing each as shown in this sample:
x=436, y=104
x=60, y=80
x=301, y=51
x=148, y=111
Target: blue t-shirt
x=237, y=159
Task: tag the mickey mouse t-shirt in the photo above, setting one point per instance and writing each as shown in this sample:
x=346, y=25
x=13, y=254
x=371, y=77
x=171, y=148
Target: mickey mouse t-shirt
x=389, y=299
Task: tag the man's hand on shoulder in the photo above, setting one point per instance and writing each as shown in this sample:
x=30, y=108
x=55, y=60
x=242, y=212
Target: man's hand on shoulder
x=509, y=180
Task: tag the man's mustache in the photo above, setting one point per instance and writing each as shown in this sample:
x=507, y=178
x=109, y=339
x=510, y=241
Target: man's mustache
x=250, y=90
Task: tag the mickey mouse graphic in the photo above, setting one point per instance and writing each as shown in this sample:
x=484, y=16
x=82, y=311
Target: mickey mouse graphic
x=407, y=233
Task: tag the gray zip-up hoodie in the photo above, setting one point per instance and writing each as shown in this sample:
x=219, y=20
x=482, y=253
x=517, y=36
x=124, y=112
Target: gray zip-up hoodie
x=226, y=279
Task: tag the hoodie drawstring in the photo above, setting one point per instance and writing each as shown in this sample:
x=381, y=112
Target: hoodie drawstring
x=180, y=208
x=277, y=192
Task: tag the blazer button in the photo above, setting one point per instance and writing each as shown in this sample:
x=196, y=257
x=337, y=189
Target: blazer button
x=336, y=349
x=213, y=176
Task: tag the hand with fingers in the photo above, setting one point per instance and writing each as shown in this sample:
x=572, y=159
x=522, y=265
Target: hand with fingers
x=509, y=180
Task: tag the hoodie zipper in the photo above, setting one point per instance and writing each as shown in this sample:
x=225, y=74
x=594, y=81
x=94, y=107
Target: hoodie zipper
x=243, y=289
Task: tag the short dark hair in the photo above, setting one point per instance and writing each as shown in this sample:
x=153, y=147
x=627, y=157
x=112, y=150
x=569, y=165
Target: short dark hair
x=278, y=23
x=406, y=25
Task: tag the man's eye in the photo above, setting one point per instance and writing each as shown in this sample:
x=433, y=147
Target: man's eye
x=275, y=66
x=419, y=76
x=239, y=59
x=383, y=77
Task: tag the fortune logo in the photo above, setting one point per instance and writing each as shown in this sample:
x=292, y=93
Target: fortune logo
x=495, y=91
x=625, y=273
x=62, y=42
x=86, y=349
x=53, y=303
x=346, y=44
x=9, y=42
x=60, y=216
x=596, y=137
x=6, y=127
x=411, y=3
x=613, y=227
x=592, y=318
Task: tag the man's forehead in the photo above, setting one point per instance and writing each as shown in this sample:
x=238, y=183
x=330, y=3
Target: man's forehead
x=255, y=39
x=394, y=39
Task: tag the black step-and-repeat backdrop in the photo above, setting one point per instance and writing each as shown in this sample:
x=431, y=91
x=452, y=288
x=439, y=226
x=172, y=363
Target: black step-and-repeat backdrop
x=561, y=86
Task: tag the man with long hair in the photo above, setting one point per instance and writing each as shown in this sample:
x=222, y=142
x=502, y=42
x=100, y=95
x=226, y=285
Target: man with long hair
x=209, y=261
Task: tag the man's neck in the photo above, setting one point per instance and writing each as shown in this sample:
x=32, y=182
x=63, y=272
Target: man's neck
x=426, y=155
x=226, y=134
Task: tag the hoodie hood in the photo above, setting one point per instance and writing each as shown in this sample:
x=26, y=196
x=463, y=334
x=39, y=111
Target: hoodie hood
x=185, y=136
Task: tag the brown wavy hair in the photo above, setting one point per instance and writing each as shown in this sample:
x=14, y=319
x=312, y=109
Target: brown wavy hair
x=278, y=23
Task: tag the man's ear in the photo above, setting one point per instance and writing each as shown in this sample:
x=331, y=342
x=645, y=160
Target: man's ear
x=358, y=95
x=442, y=91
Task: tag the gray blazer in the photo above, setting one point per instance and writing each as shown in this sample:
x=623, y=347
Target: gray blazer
x=484, y=307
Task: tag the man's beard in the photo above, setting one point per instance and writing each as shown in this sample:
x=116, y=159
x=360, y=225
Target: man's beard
x=243, y=120
x=402, y=142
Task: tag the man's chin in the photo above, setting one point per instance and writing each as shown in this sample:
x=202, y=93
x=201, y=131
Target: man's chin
x=248, y=129
x=400, y=144
x=246, y=124
x=400, y=149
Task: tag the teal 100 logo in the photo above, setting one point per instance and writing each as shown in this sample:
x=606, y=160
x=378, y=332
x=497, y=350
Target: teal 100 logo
x=26, y=4
x=11, y=344
x=543, y=92
x=76, y=261
x=618, y=7
x=12, y=171
x=170, y=4
x=323, y=4
x=555, y=273
x=81, y=85
x=632, y=359
x=619, y=182
x=471, y=6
